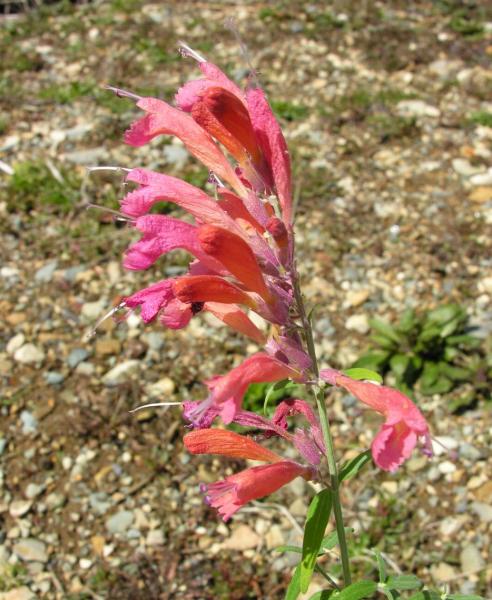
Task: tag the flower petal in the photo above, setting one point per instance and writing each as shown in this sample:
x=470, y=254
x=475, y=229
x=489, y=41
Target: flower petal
x=227, y=443
x=236, y=255
x=210, y=288
x=392, y=446
x=273, y=146
x=234, y=317
x=229, y=495
x=152, y=299
x=162, y=118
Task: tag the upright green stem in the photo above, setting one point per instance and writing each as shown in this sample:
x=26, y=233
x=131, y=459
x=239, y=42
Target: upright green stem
x=325, y=427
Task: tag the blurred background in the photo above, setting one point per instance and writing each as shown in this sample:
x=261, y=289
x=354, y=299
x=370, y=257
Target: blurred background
x=387, y=109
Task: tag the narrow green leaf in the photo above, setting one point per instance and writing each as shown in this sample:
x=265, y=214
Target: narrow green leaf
x=444, y=314
x=384, y=342
x=385, y=329
x=408, y=321
x=381, y=566
x=441, y=386
x=353, y=466
x=426, y=595
x=404, y=582
x=323, y=595
x=316, y=520
x=454, y=373
x=359, y=374
x=450, y=327
x=371, y=360
x=390, y=594
x=358, y=590
x=294, y=588
x=465, y=340
x=429, y=375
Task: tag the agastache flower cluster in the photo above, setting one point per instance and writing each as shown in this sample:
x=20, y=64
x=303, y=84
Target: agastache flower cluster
x=242, y=246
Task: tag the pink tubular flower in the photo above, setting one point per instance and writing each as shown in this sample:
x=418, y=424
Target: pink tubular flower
x=227, y=496
x=227, y=392
x=241, y=242
x=404, y=423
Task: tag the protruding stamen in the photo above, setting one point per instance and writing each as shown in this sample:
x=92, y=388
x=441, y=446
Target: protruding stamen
x=114, y=310
x=186, y=51
x=108, y=168
x=123, y=93
x=154, y=404
x=119, y=215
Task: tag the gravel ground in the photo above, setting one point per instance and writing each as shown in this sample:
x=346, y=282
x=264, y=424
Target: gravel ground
x=388, y=114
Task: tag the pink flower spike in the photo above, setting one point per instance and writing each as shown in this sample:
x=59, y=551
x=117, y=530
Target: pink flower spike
x=229, y=495
x=227, y=443
x=404, y=423
x=162, y=118
x=272, y=143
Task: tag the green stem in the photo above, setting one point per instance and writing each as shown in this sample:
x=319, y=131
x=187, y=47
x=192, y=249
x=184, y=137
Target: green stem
x=325, y=428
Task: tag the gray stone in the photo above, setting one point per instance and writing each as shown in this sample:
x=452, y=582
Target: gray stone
x=93, y=310
x=464, y=168
x=31, y=549
x=155, y=537
x=15, y=343
x=441, y=444
x=120, y=373
x=29, y=422
x=18, y=593
x=100, y=502
x=71, y=273
x=29, y=354
x=482, y=178
x=484, y=511
x=119, y=522
x=154, y=339
x=33, y=490
x=55, y=500
x=471, y=559
x=359, y=323
x=85, y=368
x=417, y=108
x=161, y=388
x=469, y=452
x=45, y=273
x=54, y=378
x=19, y=508
x=89, y=156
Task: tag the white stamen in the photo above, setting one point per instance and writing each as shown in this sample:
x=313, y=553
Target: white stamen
x=92, y=332
x=186, y=51
x=154, y=404
x=123, y=93
x=107, y=168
